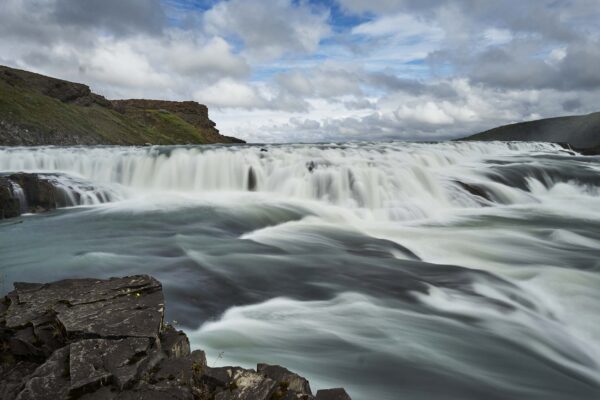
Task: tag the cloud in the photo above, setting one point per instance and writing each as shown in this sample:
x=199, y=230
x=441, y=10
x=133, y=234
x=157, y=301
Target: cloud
x=404, y=26
x=322, y=82
x=230, y=93
x=116, y=16
x=270, y=29
x=300, y=70
x=516, y=66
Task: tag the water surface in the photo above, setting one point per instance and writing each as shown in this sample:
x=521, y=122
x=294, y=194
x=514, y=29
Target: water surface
x=396, y=270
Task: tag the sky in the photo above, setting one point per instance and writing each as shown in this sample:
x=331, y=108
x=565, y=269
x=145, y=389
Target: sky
x=323, y=70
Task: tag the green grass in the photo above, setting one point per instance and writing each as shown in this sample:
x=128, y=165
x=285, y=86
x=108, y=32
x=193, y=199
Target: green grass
x=30, y=109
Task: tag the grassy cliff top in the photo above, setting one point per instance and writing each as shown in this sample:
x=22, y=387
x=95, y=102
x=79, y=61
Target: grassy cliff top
x=39, y=110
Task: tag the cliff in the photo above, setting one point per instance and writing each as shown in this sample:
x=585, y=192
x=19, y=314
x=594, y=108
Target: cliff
x=39, y=110
x=581, y=132
x=106, y=339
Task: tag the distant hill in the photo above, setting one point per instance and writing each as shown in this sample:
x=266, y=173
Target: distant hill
x=581, y=132
x=39, y=110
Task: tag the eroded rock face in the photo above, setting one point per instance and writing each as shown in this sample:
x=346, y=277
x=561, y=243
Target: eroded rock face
x=105, y=339
x=10, y=206
x=35, y=193
x=40, y=193
x=29, y=193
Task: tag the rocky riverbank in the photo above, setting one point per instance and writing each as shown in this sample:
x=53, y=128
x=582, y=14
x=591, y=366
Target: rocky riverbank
x=106, y=339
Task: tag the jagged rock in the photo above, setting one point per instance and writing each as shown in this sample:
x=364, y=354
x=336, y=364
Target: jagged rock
x=33, y=193
x=12, y=375
x=95, y=362
x=40, y=193
x=285, y=377
x=332, y=394
x=175, y=343
x=251, y=179
x=475, y=190
x=248, y=385
x=50, y=380
x=218, y=377
x=105, y=340
x=10, y=205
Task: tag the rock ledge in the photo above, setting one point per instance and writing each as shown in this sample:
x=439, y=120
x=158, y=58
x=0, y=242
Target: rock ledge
x=106, y=339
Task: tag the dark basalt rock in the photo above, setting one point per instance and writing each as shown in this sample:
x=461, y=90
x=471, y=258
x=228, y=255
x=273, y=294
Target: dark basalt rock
x=35, y=193
x=285, y=377
x=251, y=179
x=40, y=193
x=475, y=190
x=332, y=394
x=10, y=206
x=29, y=193
x=106, y=339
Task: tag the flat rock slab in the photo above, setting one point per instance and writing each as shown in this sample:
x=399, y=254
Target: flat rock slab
x=131, y=306
x=332, y=394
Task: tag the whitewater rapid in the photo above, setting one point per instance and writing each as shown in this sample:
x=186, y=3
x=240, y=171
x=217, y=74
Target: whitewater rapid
x=457, y=270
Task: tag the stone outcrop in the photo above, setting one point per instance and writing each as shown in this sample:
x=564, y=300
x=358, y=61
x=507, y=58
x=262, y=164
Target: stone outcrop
x=106, y=339
x=34, y=193
x=193, y=113
x=22, y=192
x=10, y=206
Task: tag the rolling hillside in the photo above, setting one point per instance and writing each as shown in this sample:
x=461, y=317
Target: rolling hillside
x=581, y=132
x=39, y=110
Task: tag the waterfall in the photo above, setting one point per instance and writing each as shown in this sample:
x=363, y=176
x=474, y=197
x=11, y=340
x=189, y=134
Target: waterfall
x=18, y=192
x=394, y=180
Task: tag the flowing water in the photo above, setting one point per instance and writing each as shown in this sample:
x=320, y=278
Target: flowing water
x=397, y=270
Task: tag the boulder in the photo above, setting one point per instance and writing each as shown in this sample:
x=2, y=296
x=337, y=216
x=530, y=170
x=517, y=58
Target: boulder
x=10, y=205
x=247, y=385
x=285, y=378
x=332, y=394
x=105, y=339
x=40, y=193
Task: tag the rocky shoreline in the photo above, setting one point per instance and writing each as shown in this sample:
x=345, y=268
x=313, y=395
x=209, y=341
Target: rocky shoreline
x=106, y=339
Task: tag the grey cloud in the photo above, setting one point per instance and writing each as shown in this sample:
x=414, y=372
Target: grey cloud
x=549, y=18
x=390, y=82
x=571, y=104
x=361, y=104
x=320, y=82
x=115, y=16
x=332, y=82
x=269, y=29
x=514, y=67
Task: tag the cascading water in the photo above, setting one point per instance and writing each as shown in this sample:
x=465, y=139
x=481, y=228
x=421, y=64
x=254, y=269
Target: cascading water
x=407, y=180
x=397, y=270
x=18, y=192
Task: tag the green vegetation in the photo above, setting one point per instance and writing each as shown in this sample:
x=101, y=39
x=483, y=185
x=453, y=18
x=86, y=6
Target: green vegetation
x=40, y=110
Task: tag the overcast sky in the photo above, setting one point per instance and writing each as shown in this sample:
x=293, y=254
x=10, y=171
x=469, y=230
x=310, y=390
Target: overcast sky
x=323, y=70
